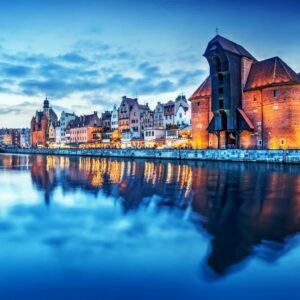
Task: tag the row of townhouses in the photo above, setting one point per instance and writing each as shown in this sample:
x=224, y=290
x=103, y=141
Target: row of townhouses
x=16, y=137
x=130, y=124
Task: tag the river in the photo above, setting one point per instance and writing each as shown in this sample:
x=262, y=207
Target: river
x=89, y=228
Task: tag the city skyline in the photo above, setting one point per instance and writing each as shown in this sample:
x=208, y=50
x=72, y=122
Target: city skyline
x=85, y=57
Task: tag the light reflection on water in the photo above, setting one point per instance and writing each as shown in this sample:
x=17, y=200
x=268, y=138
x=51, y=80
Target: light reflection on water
x=87, y=228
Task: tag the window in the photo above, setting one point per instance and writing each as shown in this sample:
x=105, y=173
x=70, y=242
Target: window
x=259, y=142
x=221, y=91
x=221, y=104
x=218, y=64
x=220, y=78
x=282, y=142
x=276, y=106
x=254, y=98
x=275, y=93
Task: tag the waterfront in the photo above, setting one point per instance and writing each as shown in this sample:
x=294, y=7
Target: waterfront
x=100, y=228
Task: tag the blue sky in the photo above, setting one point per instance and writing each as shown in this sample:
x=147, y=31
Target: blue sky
x=87, y=54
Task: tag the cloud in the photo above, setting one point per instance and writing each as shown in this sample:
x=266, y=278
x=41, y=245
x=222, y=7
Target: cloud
x=94, y=75
x=8, y=70
x=74, y=58
x=15, y=111
x=149, y=70
x=57, y=88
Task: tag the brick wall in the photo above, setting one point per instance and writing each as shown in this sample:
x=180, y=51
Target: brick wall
x=275, y=114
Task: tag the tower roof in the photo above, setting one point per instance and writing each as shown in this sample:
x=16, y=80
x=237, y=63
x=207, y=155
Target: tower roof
x=269, y=72
x=204, y=90
x=46, y=103
x=229, y=46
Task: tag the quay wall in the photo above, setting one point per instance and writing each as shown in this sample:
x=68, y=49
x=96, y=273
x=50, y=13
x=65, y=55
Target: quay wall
x=269, y=156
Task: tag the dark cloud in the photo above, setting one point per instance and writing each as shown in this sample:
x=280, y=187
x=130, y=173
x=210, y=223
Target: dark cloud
x=16, y=71
x=73, y=58
x=54, y=70
x=190, y=78
x=149, y=70
x=57, y=88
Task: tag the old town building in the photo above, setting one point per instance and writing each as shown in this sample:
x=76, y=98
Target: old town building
x=85, y=129
x=169, y=113
x=124, y=112
x=245, y=103
x=154, y=137
x=114, y=118
x=159, y=118
x=40, y=125
x=61, y=134
x=106, y=120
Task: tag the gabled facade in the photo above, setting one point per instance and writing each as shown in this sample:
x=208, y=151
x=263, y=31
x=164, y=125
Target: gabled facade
x=124, y=113
x=159, y=118
x=61, y=135
x=114, y=118
x=106, y=120
x=237, y=106
x=84, y=129
x=169, y=113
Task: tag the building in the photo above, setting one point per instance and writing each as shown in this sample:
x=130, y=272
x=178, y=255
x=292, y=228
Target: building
x=182, y=112
x=25, y=138
x=147, y=118
x=52, y=132
x=11, y=137
x=40, y=124
x=159, y=118
x=169, y=113
x=61, y=129
x=58, y=134
x=106, y=120
x=245, y=103
x=154, y=137
x=85, y=129
x=182, y=116
x=124, y=113
x=114, y=118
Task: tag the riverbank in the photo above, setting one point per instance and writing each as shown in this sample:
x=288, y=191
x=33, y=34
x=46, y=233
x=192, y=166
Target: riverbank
x=270, y=156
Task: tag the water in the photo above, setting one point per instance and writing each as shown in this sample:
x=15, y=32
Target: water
x=87, y=228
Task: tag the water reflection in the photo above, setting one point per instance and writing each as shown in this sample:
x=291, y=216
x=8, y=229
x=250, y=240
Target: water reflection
x=247, y=209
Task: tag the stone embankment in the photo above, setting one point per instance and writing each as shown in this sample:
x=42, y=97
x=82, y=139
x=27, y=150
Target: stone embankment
x=270, y=156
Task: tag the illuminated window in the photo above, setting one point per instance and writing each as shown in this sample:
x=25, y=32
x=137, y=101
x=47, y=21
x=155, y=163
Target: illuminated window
x=276, y=106
x=255, y=110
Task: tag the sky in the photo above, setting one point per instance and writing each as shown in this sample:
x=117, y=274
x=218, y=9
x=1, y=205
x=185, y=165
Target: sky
x=87, y=54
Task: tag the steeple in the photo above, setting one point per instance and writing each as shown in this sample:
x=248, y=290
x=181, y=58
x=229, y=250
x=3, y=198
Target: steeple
x=46, y=103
